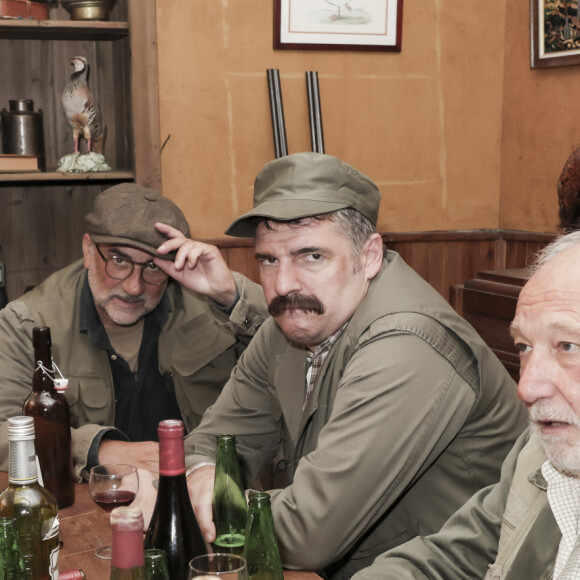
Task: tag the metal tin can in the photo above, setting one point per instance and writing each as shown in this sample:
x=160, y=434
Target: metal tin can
x=72, y=575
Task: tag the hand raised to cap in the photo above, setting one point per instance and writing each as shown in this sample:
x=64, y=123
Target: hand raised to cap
x=198, y=266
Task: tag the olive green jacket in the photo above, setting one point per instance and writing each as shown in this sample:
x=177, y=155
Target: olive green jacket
x=505, y=532
x=199, y=345
x=412, y=413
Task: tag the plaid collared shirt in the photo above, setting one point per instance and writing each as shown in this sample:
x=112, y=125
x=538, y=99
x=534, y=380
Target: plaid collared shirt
x=315, y=360
x=564, y=499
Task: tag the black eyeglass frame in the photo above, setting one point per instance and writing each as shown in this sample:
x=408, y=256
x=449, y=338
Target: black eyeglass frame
x=143, y=265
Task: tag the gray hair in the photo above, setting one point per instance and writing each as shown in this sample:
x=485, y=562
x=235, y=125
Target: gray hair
x=556, y=247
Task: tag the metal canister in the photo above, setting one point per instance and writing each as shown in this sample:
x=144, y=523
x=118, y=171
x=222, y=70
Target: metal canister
x=72, y=575
x=22, y=130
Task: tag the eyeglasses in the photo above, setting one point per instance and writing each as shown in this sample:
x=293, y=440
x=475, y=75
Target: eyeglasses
x=121, y=267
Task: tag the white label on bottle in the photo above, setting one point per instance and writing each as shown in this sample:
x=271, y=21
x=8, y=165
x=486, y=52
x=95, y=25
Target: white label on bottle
x=53, y=570
x=52, y=531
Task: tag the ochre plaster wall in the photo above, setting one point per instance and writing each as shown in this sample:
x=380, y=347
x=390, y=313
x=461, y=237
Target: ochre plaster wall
x=425, y=124
x=541, y=127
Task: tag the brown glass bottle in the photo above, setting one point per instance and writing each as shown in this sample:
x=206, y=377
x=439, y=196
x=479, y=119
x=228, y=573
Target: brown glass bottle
x=51, y=414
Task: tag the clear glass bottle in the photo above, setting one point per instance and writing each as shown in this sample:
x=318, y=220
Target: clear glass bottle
x=33, y=507
x=128, y=554
x=229, y=500
x=173, y=526
x=261, y=551
x=51, y=414
x=11, y=564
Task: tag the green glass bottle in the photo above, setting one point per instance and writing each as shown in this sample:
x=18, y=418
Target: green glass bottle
x=229, y=501
x=261, y=551
x=156, y=564
x=33, y=507
x=11, y=564
x=128, y=554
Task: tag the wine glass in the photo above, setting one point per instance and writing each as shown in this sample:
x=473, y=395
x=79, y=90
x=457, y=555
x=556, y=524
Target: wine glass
x=218, y=567
x=111, y=486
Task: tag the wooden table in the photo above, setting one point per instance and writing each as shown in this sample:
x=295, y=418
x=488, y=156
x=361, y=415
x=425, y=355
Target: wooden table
x=85, y=527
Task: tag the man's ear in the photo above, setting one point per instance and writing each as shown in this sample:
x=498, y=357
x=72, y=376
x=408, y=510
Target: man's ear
x=373, y=255
x=87, y=249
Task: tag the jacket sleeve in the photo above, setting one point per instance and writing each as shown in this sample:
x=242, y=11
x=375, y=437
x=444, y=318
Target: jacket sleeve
x=251, y=309
x=465, y=546
x=247, y=398
x=16, y=369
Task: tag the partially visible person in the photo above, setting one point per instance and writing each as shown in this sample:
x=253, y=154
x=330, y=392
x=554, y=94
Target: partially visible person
x=136, y=346
x=526, y=526
x=383, y=408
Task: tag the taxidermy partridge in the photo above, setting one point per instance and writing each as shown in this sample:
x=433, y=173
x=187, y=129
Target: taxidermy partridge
x=82, y=110
x=569, y=193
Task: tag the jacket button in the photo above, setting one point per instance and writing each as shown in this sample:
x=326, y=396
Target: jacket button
x=113, y=357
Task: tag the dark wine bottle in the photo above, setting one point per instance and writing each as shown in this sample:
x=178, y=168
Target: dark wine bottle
x=33, y=507
x=173, y=526
x=261, y=551
x=229, y=500
x=51, y=414
x=128, y=554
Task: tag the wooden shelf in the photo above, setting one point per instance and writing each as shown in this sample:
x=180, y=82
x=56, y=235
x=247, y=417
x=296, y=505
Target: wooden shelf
x=53, y=176
x=63, y=29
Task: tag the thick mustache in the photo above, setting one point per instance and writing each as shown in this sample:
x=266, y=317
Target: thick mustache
x=291, y=302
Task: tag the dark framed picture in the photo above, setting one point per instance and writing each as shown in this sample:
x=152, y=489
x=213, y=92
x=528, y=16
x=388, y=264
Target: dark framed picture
x=554, y=33
x=369, y=25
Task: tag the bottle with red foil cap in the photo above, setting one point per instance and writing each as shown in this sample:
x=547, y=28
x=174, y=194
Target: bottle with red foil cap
x=128, y=556
x=72, y=575
x=173, y=526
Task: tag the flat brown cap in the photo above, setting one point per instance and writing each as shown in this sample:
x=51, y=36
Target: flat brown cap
x=307, y=184
x=126, y=214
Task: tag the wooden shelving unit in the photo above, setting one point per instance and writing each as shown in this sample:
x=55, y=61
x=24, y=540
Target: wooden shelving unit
x=42, y=214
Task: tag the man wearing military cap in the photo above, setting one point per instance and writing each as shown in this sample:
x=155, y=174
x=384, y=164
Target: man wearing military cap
x=136, y=346
x=381, y=407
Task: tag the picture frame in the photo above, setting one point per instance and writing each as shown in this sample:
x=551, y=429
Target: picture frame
x=361, y=25
x=554, y=33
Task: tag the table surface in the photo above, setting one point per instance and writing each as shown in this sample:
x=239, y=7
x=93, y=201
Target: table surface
x=85, y=527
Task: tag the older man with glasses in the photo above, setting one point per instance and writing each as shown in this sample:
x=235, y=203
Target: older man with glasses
x=136, y=346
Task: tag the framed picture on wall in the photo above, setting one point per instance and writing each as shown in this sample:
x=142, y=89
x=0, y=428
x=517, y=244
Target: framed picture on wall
x=554, y=33
x=369, y=25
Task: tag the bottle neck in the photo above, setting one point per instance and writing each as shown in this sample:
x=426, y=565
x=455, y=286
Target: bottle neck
x=171, y=456
x=22, y=466
x=128, y=551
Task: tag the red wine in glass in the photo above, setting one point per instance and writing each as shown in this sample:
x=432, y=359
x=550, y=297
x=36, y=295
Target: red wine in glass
x=112, y=486
x=113, y=498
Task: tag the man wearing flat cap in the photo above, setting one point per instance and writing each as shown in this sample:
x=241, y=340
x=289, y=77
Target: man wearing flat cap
x=379, y=405
x=136, y=346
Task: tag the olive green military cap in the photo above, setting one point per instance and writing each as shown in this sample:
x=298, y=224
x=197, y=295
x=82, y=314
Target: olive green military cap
x=307, y=184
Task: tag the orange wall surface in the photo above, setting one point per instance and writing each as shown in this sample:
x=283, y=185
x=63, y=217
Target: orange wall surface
x=541, y=128
x=455, y=129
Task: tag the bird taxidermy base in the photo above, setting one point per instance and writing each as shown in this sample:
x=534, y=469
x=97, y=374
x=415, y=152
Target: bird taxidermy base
x=83, y=114
x=83, y=163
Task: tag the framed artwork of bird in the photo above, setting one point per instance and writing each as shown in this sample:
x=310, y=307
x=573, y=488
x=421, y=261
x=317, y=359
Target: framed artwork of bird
x=369, y=25
x=83, y=114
